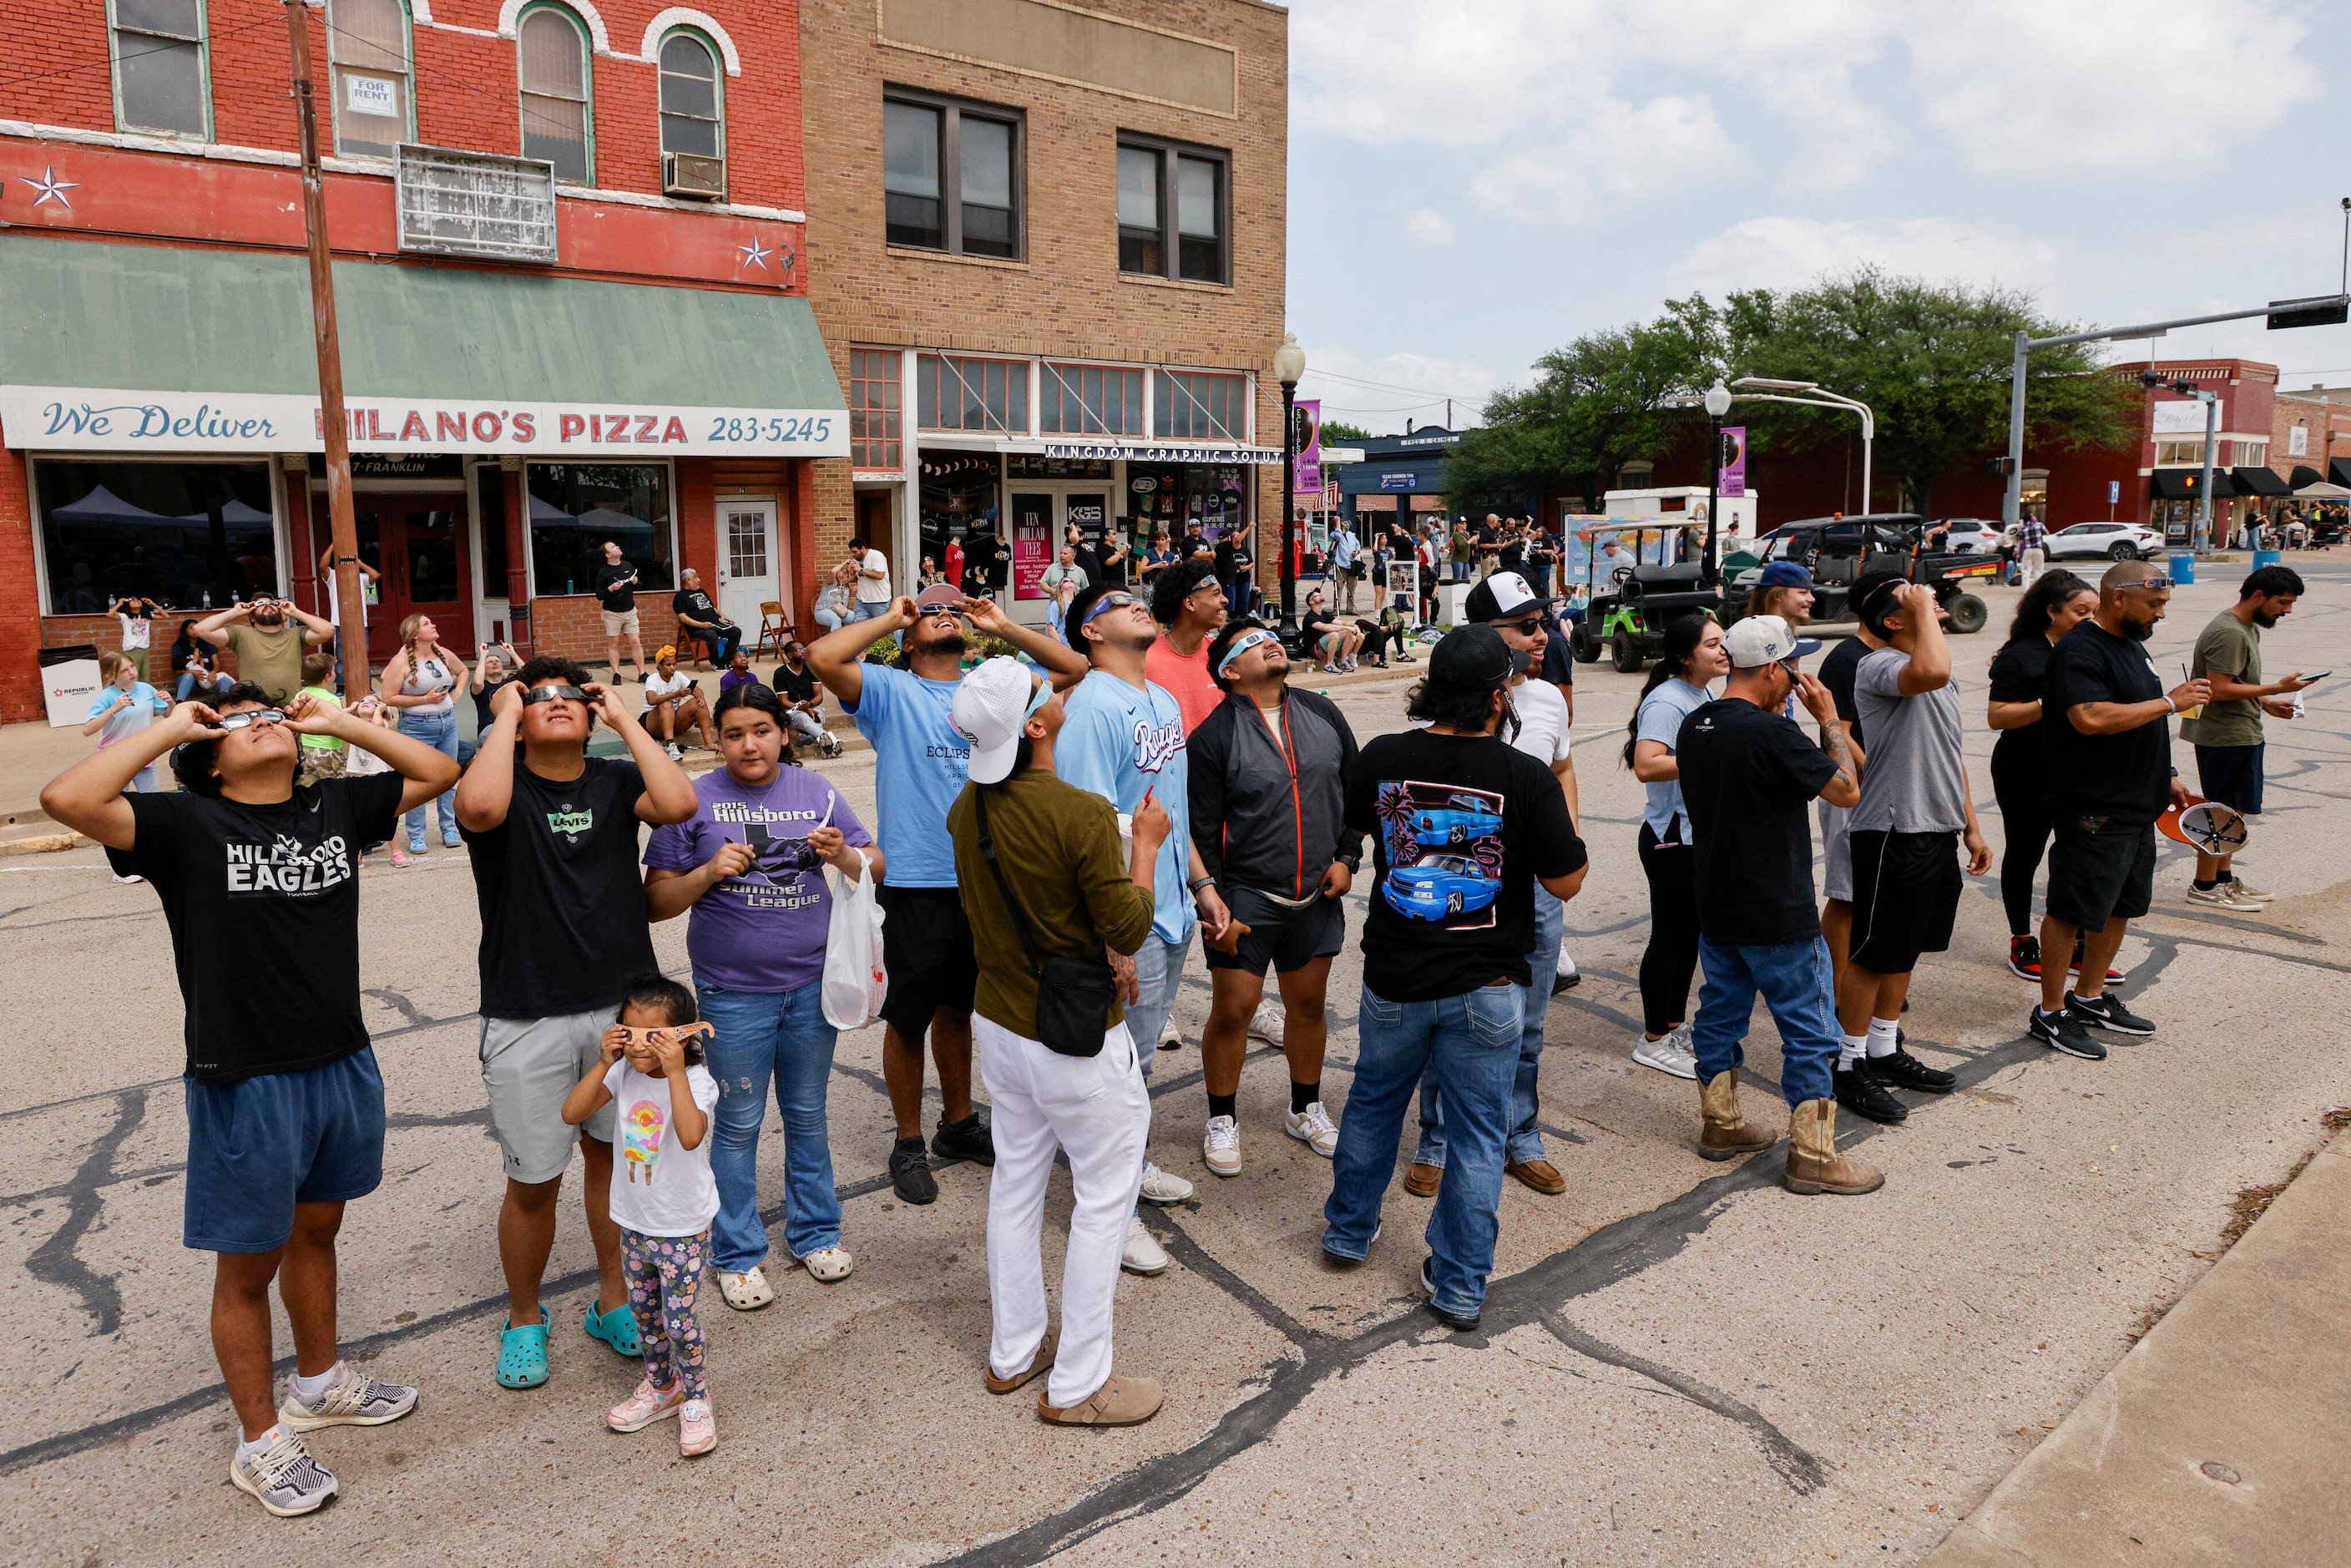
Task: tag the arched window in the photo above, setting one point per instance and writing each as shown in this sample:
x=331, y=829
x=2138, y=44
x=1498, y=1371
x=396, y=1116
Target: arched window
x=692, y=120
x=367, y=41
x=557, y=123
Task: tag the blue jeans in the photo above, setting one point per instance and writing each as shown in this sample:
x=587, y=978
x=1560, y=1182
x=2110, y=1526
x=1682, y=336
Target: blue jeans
x=761, y=1035
x=1524, y=1142
x=215, y=686
x=1159, y=973
x=867, y=609
x=1798, y=985
x=1471, y=1043
x=439, y=731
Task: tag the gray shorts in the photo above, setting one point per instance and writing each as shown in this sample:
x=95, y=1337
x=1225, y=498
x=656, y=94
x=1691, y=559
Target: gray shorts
x=531, y=1066
x=1836, y=852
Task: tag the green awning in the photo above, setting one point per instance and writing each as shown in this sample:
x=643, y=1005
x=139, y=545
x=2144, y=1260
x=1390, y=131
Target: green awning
x=205, y=346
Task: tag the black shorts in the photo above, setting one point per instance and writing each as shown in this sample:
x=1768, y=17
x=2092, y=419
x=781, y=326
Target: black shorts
x=2099, y=869
x=1905, y=897
x=1287, y=939
x=926, y=949
x=2232, y=776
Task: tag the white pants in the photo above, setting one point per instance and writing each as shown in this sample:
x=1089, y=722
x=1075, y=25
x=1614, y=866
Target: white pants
x=2033, y=560
x=1096, y=1109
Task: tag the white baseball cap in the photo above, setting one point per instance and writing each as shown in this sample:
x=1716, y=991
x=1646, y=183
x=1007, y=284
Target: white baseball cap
x=992, y=706
x=1760, y=640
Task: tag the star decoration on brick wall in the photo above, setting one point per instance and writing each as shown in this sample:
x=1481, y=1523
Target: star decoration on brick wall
x=51, y=188
x=754, y=254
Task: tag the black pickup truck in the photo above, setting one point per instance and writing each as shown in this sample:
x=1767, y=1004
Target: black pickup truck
x=1839, y=550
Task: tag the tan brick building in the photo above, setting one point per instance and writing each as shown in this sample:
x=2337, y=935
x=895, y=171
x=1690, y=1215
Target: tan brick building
x=1046, y=248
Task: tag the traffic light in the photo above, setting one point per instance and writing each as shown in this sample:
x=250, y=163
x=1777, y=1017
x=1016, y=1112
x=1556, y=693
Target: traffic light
x=2004, y=466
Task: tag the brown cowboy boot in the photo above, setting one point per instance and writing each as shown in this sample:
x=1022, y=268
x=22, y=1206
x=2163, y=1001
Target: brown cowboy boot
x=1727, y=1134
x=1813, y=1163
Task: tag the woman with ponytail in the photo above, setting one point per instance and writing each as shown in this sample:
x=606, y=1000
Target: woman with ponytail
x=1677, y=686
x=421, y=685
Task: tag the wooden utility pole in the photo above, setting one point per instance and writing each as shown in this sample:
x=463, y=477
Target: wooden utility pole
x=351, y=635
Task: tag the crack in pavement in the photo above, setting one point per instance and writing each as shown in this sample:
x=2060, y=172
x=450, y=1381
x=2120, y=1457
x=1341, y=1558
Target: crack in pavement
x=55, y=1261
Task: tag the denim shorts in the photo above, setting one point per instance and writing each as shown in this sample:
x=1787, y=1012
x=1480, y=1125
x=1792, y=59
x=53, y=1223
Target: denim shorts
x=259, y=1146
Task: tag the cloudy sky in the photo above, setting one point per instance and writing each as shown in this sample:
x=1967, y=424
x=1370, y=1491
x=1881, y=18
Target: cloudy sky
x=1475, y=182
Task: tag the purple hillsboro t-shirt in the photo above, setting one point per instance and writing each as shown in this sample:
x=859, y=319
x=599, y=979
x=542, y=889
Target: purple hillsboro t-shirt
x=763, y=931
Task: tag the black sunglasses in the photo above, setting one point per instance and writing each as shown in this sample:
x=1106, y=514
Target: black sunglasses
x=554, y=693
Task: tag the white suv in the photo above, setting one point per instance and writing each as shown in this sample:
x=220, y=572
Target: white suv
x=2114, y=541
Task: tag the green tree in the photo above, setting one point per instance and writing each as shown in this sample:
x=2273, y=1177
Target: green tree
x=1595, y=405
x=1932, y=360
x=1339, y=432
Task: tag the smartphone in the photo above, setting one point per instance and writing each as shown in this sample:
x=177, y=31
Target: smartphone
x=2320, y=676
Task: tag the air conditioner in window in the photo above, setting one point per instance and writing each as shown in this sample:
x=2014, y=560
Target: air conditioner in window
x=693, y=174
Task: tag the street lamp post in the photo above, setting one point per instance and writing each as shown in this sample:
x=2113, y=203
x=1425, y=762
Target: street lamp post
x=1289, y=368
x=1717, y=404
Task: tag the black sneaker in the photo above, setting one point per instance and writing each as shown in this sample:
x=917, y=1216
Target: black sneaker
x=1904, y=1071
x=1864, y=1095
x=968, y=1139
x=2024, y=958
x=2114, y=977
x=910, y=1173
x=1562, y=984
x=2060, y=1030
x=2107, y=1013
x=1453, y=1321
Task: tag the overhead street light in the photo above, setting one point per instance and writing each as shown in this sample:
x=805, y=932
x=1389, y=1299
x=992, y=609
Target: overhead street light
x=1771, y=391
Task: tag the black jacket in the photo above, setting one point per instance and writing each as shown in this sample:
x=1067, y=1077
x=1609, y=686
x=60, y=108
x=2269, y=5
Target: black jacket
x=1266, y=814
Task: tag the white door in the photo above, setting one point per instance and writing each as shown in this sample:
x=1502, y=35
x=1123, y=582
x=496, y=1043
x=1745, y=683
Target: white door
x=749, y=568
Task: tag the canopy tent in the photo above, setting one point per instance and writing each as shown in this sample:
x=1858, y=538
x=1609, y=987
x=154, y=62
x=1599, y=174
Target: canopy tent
x=603, y=522
x=2319, y=490
x=103, y=506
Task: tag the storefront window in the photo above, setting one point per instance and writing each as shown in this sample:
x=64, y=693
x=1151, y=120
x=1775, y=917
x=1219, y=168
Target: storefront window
x=1193, y=407
x=1091, y=400
x=576, y=506
x=874, y=412
x=191, y=534
x=958, y=501
x=953, y=392
x=1176, y=496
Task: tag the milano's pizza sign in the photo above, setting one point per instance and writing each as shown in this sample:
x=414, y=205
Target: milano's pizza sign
x=111, y=419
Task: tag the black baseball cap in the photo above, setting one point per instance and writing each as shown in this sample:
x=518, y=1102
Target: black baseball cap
x=1475, y=658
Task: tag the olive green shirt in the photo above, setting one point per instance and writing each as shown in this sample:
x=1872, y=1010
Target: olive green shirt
x=269, y=657
x=2232, y=648
x=1058, y=847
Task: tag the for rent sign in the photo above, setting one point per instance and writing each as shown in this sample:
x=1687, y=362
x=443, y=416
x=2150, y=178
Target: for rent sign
x=111, y=419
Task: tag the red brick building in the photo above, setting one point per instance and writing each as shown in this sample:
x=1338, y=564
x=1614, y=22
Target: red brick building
x=571, y=286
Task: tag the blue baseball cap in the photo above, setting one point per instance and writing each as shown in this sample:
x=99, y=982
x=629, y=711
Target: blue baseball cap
x=1785, y=574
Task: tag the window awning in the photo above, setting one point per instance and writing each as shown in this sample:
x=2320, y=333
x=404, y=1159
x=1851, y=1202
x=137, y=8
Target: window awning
x=2339, y=470
x=2303, y=474
x=148, y=348
x=2254, y=481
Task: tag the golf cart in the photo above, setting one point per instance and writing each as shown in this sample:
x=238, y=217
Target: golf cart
x=1627, y=615
x=1839, y=550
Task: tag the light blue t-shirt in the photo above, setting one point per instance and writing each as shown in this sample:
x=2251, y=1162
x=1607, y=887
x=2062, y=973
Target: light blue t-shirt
x=1660, y=719
x=920, y=766
x=140, y=713
x=1119, y=742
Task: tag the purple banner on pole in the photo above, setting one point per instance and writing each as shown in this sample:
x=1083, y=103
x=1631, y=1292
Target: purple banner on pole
x=1732, y=483
x=1307, y=470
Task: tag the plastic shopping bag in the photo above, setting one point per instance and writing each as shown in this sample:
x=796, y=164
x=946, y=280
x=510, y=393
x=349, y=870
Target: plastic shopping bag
x=854, y=979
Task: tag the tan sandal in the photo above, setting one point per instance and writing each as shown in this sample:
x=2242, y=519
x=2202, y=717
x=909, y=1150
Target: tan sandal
x=1040, y=1362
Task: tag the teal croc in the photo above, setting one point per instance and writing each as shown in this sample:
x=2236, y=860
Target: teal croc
x=522, y=1354
x=617, y=1328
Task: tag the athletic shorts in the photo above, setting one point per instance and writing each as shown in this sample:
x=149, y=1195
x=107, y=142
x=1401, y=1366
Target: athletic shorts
x=531, y=1066
x=2231, y=775
x=2099, y=869
x=616, y=622
x=1905, y=897
x=1281, y=937
x=259, y=1146
x=1836, y=852
x=927, y=949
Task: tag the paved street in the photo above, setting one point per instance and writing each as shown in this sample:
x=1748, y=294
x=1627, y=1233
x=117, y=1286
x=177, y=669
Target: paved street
x=1680, y=1362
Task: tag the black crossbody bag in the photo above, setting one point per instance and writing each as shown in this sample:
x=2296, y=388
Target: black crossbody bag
x=1073, y=995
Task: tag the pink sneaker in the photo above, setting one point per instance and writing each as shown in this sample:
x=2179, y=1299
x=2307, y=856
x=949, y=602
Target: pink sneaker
x=647, y=1405
x=698, y=1429
x=399, y=855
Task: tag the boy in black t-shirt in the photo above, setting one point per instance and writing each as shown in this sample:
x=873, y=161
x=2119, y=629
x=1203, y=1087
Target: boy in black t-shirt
x=553, y=836
x=1747, y=774
x=260, y=883
x=1465, y=826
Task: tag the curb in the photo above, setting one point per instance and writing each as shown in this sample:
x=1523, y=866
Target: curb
x=44, y=844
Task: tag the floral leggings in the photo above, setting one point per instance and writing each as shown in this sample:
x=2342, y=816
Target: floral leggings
x=663, y=1272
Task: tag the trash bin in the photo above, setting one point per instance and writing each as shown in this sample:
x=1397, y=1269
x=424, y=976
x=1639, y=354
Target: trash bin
x=2183, y=565
x=69, y=679
x=2262, y=557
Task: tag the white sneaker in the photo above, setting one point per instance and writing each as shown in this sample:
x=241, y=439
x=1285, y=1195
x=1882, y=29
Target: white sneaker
x=2222, y=896
x=1162, y=1188
x=1670, y=1055
x=1313, y=1127
x=1144, y=1255
x=352, y=1399
x=127, y=881
x=1265, y=1024
x=1221, y=1145
x=677, y=752
x=827, y=1264
x=282, y=1476
x=1169, y=1038
x=1566, y=964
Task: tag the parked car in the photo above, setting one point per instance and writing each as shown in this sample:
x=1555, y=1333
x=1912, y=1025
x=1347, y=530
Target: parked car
x=2114, y=541
x=1440, y=885
x=1838, y=551
x=1973, y=535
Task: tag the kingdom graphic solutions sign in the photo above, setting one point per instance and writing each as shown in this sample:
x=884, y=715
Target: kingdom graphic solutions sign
x=109, y=420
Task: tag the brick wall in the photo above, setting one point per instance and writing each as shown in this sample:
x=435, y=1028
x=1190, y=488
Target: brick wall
x=20, y=604
x=571, y=626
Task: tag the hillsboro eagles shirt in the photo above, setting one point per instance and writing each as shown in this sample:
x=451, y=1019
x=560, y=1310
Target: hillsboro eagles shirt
x=263, y=903
x=563, y=910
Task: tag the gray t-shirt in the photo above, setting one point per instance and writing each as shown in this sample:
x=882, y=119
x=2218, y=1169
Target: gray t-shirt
x=1916, y=780
x=1660, y=719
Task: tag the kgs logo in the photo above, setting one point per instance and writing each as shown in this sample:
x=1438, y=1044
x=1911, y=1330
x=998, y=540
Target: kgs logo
x=572, y=824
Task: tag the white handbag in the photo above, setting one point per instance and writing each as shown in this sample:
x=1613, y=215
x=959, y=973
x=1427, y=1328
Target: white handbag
x=854, y=979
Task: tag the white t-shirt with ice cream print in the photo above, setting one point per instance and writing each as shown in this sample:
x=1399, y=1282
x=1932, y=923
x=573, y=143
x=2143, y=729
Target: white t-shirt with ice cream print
x=660, y=1187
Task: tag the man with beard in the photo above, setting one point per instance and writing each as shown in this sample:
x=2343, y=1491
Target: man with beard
x=920, y=766
x=2227, y=734
x=1124, y=740
x=2110, y=777
x=267, y=646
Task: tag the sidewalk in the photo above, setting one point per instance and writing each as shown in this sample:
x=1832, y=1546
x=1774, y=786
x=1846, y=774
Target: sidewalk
x=2217, y=1438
